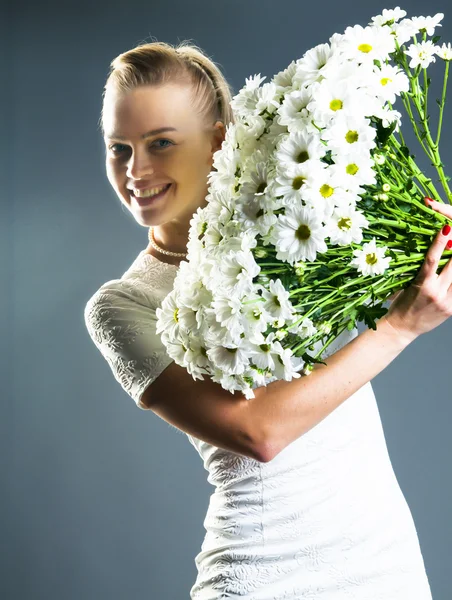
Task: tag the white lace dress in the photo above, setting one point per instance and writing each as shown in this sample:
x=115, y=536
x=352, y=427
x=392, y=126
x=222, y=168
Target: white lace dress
x=324, y=520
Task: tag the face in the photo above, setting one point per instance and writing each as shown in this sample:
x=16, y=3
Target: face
x=181, y=157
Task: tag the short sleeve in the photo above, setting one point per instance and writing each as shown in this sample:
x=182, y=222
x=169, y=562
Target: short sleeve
x=122, y=324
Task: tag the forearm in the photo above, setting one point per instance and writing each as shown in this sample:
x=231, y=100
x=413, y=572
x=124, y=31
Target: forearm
x=283, y=411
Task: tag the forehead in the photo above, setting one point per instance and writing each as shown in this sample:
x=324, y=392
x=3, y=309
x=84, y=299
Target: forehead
x=147, y=108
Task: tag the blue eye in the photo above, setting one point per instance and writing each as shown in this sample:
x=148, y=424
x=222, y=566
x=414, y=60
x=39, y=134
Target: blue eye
x=158, y=147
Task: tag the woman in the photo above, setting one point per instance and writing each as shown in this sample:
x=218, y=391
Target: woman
x=306, y=503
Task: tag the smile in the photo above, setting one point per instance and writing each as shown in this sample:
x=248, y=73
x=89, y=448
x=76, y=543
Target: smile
x=151, y=199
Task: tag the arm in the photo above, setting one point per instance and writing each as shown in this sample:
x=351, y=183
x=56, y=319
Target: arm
x=282, y=411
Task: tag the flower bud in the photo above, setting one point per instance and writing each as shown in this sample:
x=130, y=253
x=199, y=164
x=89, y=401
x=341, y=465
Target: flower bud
x=307, y=369
x=260, y=253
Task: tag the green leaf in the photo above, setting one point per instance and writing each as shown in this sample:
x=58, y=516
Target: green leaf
x=368, y=314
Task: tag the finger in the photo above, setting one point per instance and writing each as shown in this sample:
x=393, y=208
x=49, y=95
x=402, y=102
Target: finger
x=428, y=270
x=441, y=207
x=445, y=277
x=394, y=296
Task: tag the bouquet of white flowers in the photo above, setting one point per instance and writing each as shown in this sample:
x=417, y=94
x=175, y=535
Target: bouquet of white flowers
x=314, y=215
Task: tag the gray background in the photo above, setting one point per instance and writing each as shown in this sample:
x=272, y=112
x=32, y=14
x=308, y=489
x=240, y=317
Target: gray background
x=104, y=500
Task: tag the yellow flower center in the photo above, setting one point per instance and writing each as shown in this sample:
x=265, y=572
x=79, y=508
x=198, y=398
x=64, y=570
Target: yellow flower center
x=344, y=223
x=326, y=190
x=302, y=156
x=298, y=182
x=336, y=104
x=366, y=48
x=303, y=233
x=351, y=136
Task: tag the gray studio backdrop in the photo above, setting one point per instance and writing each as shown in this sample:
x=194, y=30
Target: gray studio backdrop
x=102, y=500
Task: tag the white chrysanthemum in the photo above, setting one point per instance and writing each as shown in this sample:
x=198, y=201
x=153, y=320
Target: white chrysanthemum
x=299, y=235
x=370, y=260
x=168, y=315
x=284, y=78
x=337, y=96
x=366, y=44
x=264, y=354
x=345, y=226
x=226, y=163
x=194, y=293
x=255, y=217
x=268, y=97
x=237, y=271
x=293, y=112
x=227, y=313
x=244, y=103
x=238, y=240
x=287, y=366
x=291, y=181
x=254, y=180
x=393, y=14
x=313, y=66
x=404, y=31
x=255, y=317
x=326, y=191
x=196, y=358
x=388, y=82
x=275, y=132
x=422, y=54
x=213, y=236
x=220, y=208
x=349, y=133
x=354, y=169
x=445, y=52
x=214, y=334
x=176, y=348
x=428, y=23
x=249, y=134
x=232, y=359
x=388, y=116
x=304, y=329
x=298, y=148
x=277, y=302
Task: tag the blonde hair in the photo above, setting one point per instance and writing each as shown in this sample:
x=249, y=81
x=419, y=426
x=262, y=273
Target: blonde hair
x=158, y=63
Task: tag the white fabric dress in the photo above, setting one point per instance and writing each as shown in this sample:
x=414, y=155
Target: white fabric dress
x=324, y=520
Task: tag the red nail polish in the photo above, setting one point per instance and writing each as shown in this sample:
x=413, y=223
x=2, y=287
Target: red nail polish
x=428, y=199
x=446, y=229
x=449, y=244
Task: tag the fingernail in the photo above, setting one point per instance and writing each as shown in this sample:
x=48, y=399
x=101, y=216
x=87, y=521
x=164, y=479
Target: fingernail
x=446, y=229
x=428, y=199
x=449, y=244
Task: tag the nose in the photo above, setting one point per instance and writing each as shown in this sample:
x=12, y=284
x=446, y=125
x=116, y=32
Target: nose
x=139, y=166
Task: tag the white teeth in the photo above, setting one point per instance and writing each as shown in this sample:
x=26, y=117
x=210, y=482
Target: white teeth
x=148, y=193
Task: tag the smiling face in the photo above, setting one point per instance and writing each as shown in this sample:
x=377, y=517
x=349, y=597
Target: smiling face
x=181, y=157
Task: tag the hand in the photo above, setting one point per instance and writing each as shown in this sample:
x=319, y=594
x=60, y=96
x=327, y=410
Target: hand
x=427, y=301
x=441, y=207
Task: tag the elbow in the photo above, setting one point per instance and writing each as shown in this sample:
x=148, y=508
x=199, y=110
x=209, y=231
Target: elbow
x=266, y=450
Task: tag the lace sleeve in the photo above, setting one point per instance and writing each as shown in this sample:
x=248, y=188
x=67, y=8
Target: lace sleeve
x=122, y=324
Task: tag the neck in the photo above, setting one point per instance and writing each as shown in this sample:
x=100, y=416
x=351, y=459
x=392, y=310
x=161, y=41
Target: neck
x=172, y=236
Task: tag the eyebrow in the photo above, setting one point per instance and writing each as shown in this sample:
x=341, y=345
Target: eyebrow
x=114, y=136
